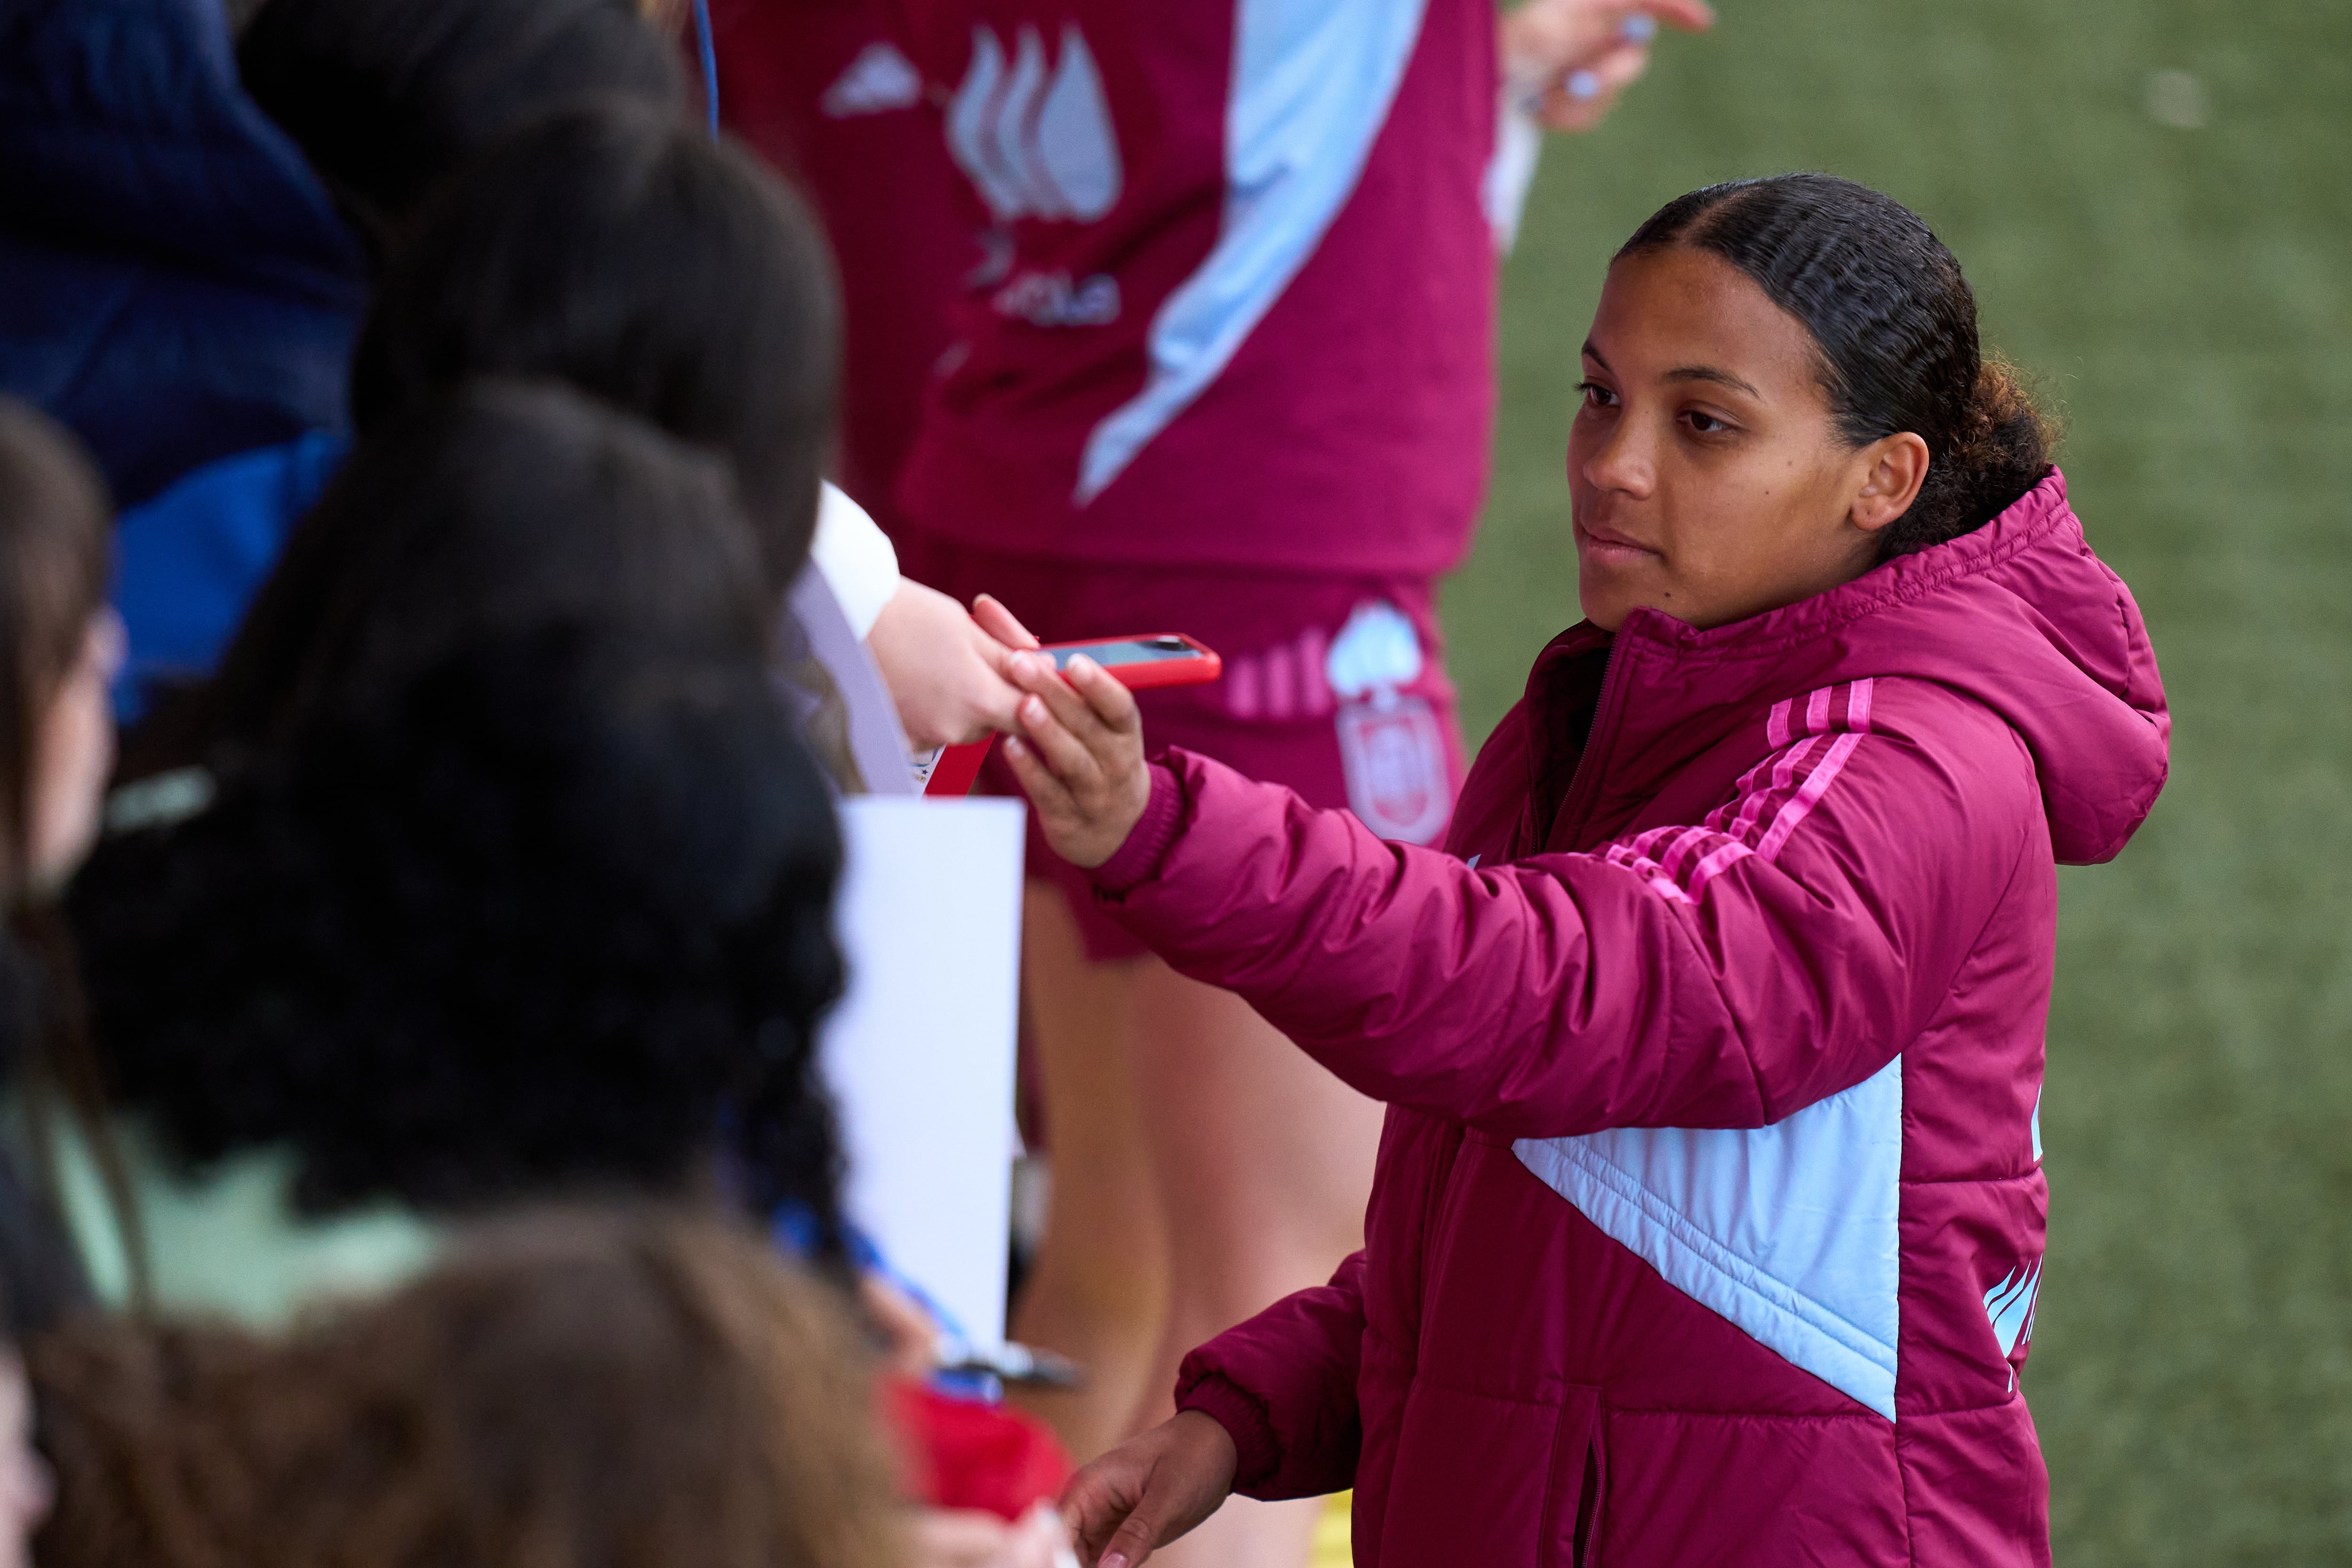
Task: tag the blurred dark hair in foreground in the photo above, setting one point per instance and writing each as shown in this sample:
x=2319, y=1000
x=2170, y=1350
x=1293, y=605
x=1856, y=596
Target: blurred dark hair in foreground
x=387, y=97
x=555, y=917
x=628, y=254
x=568, y=1390
x=494, y=506
x=519, y=877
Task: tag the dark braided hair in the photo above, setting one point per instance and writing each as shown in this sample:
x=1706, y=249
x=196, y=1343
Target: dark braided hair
x=1896, y=327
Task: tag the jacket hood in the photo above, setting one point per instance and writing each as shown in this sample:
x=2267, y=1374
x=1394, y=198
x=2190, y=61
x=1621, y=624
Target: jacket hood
x=2019, y=615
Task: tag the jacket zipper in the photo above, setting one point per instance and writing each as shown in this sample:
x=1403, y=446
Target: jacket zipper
x=1584, y=783
x=1584, y=1546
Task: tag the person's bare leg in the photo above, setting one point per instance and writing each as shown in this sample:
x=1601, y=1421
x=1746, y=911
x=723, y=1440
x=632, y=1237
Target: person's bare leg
x=1097, y=1291
x=1263, y=1161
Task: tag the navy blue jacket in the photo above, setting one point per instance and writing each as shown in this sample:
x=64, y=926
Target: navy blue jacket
x=175, y=284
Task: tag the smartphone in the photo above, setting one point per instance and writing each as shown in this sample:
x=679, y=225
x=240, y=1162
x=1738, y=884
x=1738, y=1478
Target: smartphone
x=1138, y=663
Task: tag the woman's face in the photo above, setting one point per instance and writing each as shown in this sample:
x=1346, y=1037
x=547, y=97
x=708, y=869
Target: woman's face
x=73, y=757
x=1705, y=477
x=26, y=1488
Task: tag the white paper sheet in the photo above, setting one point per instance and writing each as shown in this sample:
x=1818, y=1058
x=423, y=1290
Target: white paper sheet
x=920, y=1053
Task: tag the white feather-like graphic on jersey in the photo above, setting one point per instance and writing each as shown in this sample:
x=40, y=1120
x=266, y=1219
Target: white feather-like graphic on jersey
x=969, y=120
x=1008, y=126
x=1036, y=141
x=1075, y=145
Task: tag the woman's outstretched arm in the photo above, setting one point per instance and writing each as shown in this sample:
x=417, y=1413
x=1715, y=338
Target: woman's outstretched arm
x=1569, y=993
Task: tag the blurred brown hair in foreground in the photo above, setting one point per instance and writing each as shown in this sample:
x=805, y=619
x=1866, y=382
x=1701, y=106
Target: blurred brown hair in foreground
x=569, y=1389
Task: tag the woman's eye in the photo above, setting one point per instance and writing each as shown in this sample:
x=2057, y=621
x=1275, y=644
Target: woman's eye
x=1596, y=395
x=1705, y=424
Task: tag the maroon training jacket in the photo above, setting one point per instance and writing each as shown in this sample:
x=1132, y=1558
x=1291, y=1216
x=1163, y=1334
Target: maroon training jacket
x=1708, y=1220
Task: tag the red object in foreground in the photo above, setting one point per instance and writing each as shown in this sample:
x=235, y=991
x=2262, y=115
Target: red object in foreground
x=961, y=1453
x=1138, y=663
x=952, y=775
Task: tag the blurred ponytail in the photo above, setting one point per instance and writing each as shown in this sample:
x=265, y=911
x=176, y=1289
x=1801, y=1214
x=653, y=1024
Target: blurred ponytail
x=1896, y=327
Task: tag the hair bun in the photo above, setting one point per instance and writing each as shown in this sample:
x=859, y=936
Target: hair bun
x=2000, y=451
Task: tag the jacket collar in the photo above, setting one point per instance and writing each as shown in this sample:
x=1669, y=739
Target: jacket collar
x=1662, y=692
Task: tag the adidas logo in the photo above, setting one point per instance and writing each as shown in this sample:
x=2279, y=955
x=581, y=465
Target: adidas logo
x=1036, y=141
x=877, y=82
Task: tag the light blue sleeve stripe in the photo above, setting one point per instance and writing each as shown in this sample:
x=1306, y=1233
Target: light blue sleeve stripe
x=1313, y=83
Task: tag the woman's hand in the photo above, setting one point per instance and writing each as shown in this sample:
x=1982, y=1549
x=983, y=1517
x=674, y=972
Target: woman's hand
x=998, y=623
x=1572, y=58
x=1148, y=1490
x=945, y=669
x=1082, y=762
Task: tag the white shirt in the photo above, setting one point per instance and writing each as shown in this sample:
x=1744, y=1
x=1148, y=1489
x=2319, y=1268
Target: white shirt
x=855, y=556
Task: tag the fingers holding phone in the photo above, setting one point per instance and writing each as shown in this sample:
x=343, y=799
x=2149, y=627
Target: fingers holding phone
x=944, y=667
x=999, y=622
x=1079, y=756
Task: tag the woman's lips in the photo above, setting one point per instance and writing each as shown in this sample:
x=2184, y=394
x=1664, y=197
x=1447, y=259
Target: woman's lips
x=1605, y=545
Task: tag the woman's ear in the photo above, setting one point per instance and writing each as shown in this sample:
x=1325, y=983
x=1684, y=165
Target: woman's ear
x=1892, y=469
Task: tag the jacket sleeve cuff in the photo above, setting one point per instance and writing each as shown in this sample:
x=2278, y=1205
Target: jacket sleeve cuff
x=1245, y=1420
x=1137, y=861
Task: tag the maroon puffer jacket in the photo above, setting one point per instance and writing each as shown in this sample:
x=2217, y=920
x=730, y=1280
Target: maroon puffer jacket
x=1708, y=1220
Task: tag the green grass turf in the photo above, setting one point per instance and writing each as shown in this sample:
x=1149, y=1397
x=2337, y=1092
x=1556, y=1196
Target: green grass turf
x=2186, y=296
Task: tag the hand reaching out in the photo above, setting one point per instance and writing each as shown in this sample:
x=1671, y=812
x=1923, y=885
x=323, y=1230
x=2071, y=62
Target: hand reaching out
x=1148, y=1490
x=945, y=669
x=1572, y=58
x=991, y=617
x=1081, y=761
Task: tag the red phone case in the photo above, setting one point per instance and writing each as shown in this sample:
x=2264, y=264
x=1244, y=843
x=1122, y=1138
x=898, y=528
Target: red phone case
x=1158, y=672
x=958, y=768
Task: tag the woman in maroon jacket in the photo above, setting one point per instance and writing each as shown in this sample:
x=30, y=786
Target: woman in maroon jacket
x=1709, y=1216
